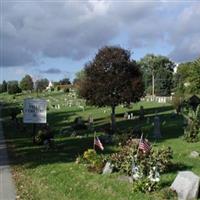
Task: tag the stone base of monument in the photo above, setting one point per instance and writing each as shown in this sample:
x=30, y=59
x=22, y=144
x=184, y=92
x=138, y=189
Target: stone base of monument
x=186, y=185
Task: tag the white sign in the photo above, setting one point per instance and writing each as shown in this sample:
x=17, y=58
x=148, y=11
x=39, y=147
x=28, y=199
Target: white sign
x=34, y=111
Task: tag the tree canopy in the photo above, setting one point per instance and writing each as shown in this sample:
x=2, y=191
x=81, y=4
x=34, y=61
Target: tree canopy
x=112, y=78
x=159, y=68
x=26, y=83
x=41, y=84
x=187, y=78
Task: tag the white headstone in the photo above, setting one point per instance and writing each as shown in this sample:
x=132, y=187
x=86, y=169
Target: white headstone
x=186, y=185
x=194, y=154
x=108, y=168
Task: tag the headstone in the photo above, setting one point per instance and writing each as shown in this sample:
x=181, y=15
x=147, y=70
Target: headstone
x=186, y=185
x=156, y=132
x=141, y=113
x=125, y=115
x=125, y=178
x=90, y=123
x=194, y=154
x=131, y=115
x=108, y=168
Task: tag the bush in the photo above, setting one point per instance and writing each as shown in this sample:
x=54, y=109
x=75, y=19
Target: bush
x=94, y=161
x=145, y=185
x=13, y=87
x=79, y=124
x=122, y=161
x=145, y=168
x=177, y=103
x=192, y=130
x=42, y=135
x=52, y=89
x=66, y=90
x=58, y=88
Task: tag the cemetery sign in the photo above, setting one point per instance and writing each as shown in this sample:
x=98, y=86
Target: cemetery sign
x=34, y=111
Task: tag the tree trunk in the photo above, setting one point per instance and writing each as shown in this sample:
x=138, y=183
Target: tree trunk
x=113, y=122
x=153, y=85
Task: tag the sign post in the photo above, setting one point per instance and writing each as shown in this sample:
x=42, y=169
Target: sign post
x=34, y=112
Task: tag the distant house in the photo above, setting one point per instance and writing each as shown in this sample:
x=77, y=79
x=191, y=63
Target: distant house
x=49, y=86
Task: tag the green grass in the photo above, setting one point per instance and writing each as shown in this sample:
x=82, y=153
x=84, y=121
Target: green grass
x=53, y=174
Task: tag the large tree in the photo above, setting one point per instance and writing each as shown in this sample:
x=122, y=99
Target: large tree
x=158, y=74
x=3, y=87
x=41, y=84
x=112, y=78
x=13, y=87
x=26, y=83
x=65, y=81
x=187, y=78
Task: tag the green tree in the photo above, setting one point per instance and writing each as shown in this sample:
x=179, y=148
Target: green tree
x=187, y=78
x=158, y=74
x=41, y=84
x=77, y=82
x=65, y=81
x=181, y=78
x=112, y=78
x=4, y=86
x=194, y=77
x=26, y=83
x=13, y=87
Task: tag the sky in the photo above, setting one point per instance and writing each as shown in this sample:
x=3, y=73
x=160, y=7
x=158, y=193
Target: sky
x=54, y=39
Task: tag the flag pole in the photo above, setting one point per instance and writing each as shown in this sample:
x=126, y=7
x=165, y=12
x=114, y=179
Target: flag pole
x=94, y=140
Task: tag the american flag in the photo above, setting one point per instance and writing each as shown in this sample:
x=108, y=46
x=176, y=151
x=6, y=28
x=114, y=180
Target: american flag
x=98, y=143
x=144, y=145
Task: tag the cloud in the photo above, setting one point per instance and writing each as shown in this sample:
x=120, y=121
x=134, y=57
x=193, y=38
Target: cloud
x=73, y=30
x=186, y=35
x=51, y=71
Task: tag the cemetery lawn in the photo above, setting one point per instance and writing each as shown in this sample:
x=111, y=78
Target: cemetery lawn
x=42, y=174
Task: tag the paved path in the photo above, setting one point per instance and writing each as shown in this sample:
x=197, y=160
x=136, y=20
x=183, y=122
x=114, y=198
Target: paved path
x=7, y=187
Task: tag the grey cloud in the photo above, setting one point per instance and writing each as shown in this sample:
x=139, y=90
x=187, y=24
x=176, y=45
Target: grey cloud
x=51, y=71
x=76, y=29
x=186, y=35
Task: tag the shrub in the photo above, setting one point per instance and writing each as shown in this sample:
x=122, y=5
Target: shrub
x=42, y=135
x=94, y=161
x=58, y=88
x=13, y=87
x=145, y=185
x=177, y=103
x=144, y=168
x=79, y=124
x=66, y=90
x=192, y=130
x=122, y=161
x=167, y=193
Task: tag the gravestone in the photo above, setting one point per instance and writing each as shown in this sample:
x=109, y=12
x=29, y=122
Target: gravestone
x=125, y=178
x=186, y=185
x=148, y=120
x=108, y=168
x=156, y=131
x=141, y=113
x=125, y=115
x=131, y=115
x=194, y=154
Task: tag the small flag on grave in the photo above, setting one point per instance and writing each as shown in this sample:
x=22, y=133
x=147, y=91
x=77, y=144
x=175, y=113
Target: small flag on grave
x=98, y=143
x=144, y=145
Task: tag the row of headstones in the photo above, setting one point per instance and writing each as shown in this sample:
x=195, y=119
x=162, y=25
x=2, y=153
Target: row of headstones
x=157, y=99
